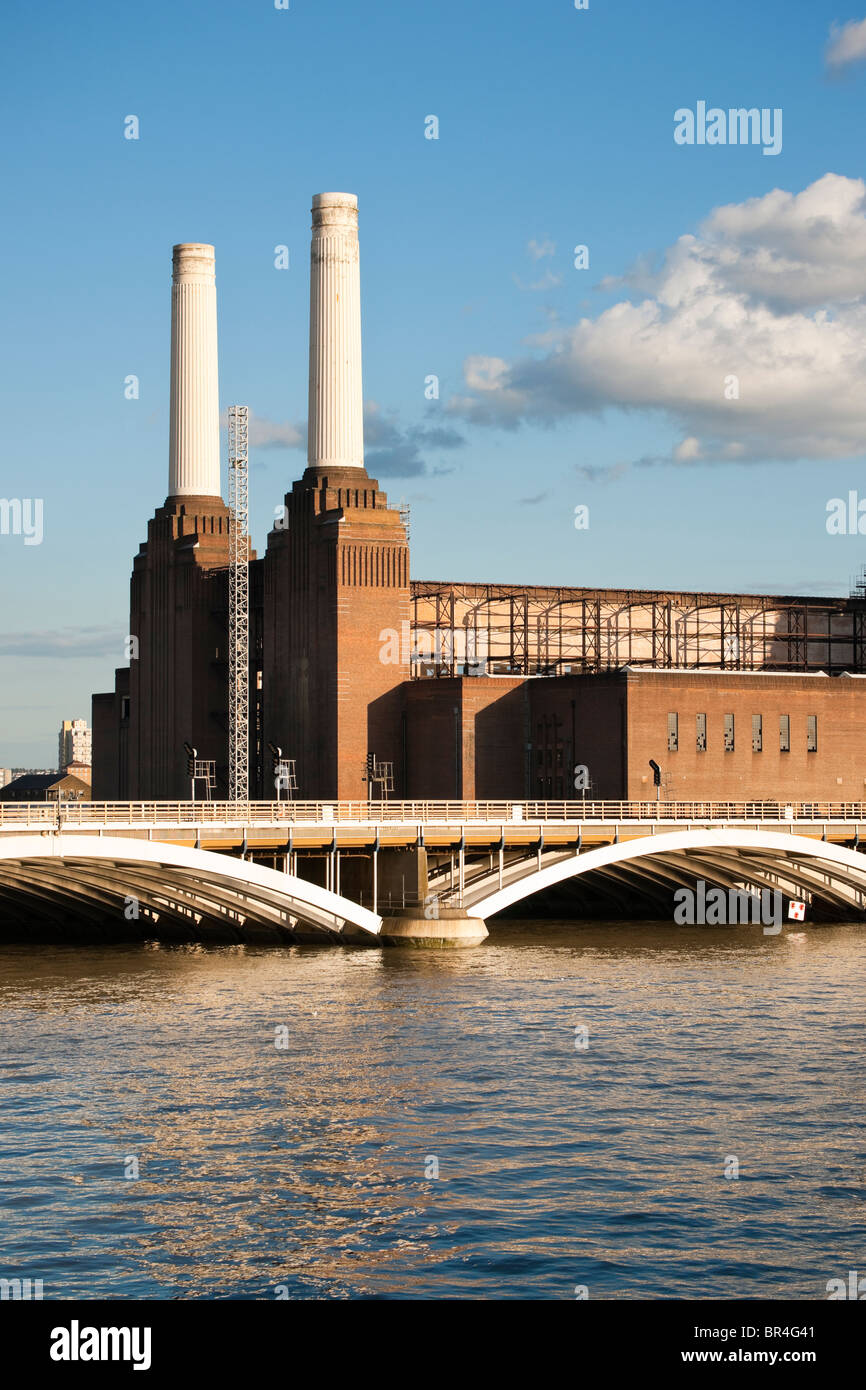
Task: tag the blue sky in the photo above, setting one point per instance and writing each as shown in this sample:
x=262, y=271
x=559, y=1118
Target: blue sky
x=556, y=129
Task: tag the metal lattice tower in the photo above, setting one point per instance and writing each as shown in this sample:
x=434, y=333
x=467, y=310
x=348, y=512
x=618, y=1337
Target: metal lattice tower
x=239, y=605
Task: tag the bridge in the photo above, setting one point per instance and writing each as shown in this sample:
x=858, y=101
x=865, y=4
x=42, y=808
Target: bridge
x=368, y=871
x=100, y=883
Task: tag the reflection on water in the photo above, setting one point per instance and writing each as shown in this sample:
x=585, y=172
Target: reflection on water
x=303, y=1168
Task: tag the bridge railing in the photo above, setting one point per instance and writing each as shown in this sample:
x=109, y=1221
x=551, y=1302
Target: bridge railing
x=36, y=814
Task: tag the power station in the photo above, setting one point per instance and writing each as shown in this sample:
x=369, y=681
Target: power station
x=323, y=656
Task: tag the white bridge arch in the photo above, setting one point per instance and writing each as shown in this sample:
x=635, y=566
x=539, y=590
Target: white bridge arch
x=831, y=875
x=54, y=876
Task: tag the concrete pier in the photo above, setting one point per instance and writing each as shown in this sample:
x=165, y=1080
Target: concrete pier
x=450, y=927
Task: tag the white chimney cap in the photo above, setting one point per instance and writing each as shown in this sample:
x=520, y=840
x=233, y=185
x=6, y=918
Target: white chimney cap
x=335, y=200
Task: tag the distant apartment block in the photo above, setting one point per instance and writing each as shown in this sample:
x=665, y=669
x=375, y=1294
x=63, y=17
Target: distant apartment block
x=74, y=746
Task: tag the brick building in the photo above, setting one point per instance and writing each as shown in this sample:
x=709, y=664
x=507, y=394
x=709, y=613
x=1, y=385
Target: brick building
x=463, y=690
x=336, y=576
x=46, y=786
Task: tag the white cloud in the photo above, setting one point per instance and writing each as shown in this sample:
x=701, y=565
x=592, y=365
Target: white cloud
x=798, y=250
x=771, y=291
x=688, y=450
x=548, y=281
x=537, y=250
x=272, y=434
x=601, y=473
x=485, y=373
x=846, y=44
x=69, y=642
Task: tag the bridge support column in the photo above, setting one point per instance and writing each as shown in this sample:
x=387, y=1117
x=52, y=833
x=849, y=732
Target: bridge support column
x=451, y=926
x=389, y=877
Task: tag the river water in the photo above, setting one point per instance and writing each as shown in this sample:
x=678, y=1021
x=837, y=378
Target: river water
x=286, y=1112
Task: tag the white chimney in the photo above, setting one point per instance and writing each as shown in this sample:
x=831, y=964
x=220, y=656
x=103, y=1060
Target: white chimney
x=194, y=443
x=336, y=415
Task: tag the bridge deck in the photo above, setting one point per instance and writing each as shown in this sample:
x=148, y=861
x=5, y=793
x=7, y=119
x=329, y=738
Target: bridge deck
x=437, y=825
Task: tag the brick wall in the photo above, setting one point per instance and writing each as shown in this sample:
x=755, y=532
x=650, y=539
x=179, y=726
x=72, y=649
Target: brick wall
x=835, y=772
x=466, y=738
x=336, y=579
x=577, y=720
x=177, y=684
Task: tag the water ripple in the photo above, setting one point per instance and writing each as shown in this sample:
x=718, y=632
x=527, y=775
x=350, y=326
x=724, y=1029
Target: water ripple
x=311, y=1170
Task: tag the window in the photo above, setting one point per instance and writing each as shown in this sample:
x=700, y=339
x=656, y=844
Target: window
x=729, y=733
x=757, y=733
x=784, y=733
x=673, y=733
x=811, y=733
x=124, y=706
x=701, y=732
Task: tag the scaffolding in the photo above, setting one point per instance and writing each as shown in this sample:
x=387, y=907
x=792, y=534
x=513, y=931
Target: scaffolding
x=504, y=629
x=239, y=604
x=405, y=511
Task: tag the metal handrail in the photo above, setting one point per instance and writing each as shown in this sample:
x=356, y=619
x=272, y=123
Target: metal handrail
x=69, y=814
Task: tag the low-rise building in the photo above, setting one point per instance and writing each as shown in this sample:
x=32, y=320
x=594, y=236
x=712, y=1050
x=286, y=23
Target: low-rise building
x=46, y=786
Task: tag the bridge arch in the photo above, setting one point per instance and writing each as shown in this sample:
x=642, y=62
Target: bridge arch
x=55, y=877
x=832, y=876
